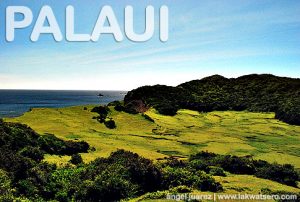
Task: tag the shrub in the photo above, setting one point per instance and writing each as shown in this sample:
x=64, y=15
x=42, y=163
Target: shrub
x=205, y=182
x=33, y=153
x=110, y=124
x=53, y=145
x=101, y=110
x=119, y=108
x=216, y=171
x=141, y=171
x=155, y=195
x=168, y=109
x=174, y=177
x=285, y=174
x=76, y=159
x=233, y=164
x=27, y=188
x=112, y=184
x=6, y=191
x=181, y=189
x=236, y=165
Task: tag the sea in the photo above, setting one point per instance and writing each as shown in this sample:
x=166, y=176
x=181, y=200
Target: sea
x=14, y=103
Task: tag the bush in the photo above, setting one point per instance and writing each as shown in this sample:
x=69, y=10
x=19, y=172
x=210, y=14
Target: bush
x=205, y=182
x=155, y=195
x=216, y=171
x=233, y=164
x=76, y=159
x=53, y=145
x=110, y=124
x=181, y=189
x=141, y=171
x=236, y=165
x=174, y=177
x=285, y=174
x=32, y=152
x=168, y=109
x=101, y=110
x=6, y=191
x=119, y=108
x=109, y=186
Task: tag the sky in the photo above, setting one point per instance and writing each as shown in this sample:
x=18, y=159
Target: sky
x=225, y=37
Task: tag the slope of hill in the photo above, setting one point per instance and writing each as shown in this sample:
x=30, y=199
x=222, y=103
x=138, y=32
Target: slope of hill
x=257, y=136
x=186, y=133
x=257, y=93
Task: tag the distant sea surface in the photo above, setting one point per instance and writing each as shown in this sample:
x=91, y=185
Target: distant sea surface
x=16, y=102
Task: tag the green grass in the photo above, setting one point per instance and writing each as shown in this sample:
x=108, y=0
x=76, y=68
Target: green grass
x=235, y=184
x=229, y=132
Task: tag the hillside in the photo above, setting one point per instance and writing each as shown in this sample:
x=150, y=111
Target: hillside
x=250, y=137
x=214, y=135
x=255, y=93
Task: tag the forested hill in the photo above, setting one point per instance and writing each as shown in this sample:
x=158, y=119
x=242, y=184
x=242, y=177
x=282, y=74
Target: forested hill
x=259, y=93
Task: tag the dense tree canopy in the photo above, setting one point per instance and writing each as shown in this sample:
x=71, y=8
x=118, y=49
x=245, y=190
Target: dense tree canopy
x=259, y=93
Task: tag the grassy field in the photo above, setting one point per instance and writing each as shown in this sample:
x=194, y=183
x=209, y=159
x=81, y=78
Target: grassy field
x=234, y=184
x=229, y=132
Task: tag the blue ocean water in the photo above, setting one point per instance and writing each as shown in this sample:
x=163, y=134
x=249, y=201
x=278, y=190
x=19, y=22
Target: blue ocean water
x=15, y=102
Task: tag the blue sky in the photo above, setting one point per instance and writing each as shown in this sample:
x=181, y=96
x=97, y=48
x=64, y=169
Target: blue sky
x=226, y=37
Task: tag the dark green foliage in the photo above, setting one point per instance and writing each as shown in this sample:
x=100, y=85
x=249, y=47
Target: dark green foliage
x=118, y=106
x=103, y=115
x=285, y=174
x=110, y=185
x=167, y=109
x=110, y=124
x=102, y=110
x=6, y=190
x=53, y=145
x=174, y=177
x=122, y=175
x=21, y=152
x=76, y=159
x=289, y=111
x=32, y=152
x=262, y=93
x=17, y=136
x=216, y=171
x=142, y=171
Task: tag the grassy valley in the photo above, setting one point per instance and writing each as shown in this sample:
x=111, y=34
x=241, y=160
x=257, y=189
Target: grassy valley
x=158, y=137
x=188, y=132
